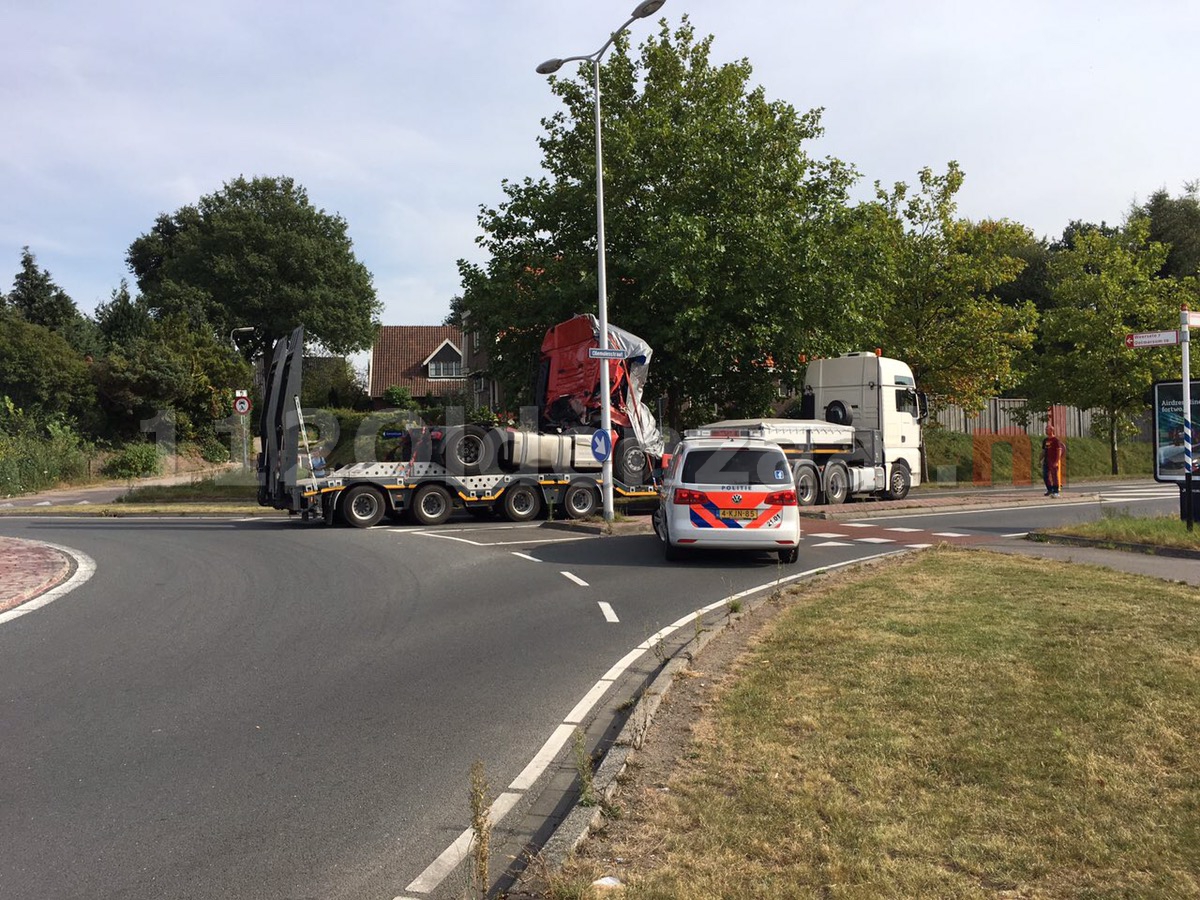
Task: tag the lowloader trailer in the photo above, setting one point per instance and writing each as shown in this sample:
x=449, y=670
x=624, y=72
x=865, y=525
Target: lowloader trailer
x=516, y=473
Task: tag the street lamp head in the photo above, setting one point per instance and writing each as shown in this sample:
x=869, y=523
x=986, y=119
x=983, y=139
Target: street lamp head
x=647, y=8
x=549, y=66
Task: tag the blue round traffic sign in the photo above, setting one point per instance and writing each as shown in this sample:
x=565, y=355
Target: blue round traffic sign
x=601, y=445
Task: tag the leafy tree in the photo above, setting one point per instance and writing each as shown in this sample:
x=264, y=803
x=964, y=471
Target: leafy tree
x=38, y=299
x=1175, y=221
x=330, y=382
x=258, y=253
x=172, y=367
x=40, y=371
x=941, y=278
x=1104, y=286
x=724, y=236
x=122, y=319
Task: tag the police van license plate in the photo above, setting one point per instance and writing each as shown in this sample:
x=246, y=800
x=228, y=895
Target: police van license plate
x=739, y=514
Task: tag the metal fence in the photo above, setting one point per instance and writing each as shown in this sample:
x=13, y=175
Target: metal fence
x=1012, y=413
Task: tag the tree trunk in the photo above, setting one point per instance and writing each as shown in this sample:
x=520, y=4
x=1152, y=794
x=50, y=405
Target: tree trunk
x=1112, y=441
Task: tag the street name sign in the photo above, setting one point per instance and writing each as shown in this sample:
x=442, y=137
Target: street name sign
x=606, y=353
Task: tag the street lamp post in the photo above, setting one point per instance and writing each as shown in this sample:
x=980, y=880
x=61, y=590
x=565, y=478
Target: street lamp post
x=644, y=9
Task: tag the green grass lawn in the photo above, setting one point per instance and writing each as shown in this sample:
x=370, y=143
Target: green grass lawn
x=1158, y=531
x=207, y=490
x=956, y=725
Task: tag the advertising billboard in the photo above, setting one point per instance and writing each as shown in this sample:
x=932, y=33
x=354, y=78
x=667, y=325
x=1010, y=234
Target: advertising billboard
x=1168, y=430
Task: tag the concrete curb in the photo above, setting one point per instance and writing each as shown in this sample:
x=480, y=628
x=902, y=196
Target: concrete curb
x=1066, y=540
x=581, y=820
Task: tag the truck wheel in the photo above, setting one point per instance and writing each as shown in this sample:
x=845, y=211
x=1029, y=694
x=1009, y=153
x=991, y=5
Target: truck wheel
x=581, y=500
x=899, y=483
x=470, y=450
x=808, y=484
x=837, y=483
x=631, y=465
x=522, y=502
x=837, y=413
x=431, y=504
x=362, y=506
x=787, y=557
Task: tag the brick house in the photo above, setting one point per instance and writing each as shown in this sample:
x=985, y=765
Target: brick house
x=426, y=359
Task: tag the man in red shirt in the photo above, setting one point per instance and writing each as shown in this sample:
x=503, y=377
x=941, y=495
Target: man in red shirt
x=1054, y=452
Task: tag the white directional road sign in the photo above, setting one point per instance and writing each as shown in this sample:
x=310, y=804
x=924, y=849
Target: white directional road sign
x=1151, y=339
x=601, y=445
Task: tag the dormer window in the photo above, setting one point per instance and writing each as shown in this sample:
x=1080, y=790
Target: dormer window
x=444, y=362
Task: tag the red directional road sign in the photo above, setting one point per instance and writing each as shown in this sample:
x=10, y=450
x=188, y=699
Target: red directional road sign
x=1151, y=339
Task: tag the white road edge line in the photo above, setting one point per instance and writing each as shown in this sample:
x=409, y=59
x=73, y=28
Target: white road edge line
x=429, y=880
x=85, y=568
x=575, y=578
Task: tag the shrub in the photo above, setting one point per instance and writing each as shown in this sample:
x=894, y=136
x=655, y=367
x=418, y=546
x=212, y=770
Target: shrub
x=134, y=461
x=213, y=449
x=38, y=452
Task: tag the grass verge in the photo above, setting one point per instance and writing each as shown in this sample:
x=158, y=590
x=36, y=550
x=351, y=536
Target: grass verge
x=205, y=490
x=956, y=725
x=1159, y=531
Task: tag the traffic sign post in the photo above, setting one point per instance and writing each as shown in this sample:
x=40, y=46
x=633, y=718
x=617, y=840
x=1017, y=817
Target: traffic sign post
x=242, y=406
x=1185, y=321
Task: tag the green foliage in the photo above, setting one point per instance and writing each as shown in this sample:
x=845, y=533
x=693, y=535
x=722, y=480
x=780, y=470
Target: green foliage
x=38, y=299
x=123, y=320
x=398, y=397
x=722, y=231
x=1103, y=287
x=37, y=452
x=136, y=460
x=331, y=382
x=258, y=252
x=939, y=278
x=40, y=371
x=1175, y=222
x=213, y=449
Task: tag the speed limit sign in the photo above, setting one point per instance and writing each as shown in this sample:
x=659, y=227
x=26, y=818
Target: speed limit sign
x=241, y=405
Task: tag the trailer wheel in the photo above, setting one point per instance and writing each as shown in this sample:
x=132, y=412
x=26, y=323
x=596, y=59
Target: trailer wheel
x=431, y=504
x=522, y=502
x=899, y=482
x=808, y=484
x=362, y=506
x=470, y=450
x=581, y=500
x=837, y=483
x=631, y=464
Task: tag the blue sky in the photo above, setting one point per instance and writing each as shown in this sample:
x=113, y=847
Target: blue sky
x=404, y=117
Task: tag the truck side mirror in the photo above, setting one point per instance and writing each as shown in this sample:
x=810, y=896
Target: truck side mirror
x=922, y=406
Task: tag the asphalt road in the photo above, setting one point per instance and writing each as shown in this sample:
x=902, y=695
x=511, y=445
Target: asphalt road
x=267, y=709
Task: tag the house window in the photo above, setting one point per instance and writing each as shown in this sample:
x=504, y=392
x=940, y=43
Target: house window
x=445, y=369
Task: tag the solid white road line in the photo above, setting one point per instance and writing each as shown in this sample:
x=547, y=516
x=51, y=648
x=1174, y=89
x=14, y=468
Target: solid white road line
x=609, y=615
x=453, y=855
x=85, y=568
x=575, y=578
x=525, y=556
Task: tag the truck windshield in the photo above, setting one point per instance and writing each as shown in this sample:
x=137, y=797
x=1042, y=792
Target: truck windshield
x=735, y=467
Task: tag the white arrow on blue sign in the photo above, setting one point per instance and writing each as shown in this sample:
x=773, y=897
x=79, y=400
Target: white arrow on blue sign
x=601, y=445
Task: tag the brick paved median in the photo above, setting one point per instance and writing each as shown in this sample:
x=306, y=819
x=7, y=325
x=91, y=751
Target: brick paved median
x=29, y=569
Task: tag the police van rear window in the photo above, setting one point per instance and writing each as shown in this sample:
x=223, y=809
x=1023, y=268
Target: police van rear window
x=735, y=467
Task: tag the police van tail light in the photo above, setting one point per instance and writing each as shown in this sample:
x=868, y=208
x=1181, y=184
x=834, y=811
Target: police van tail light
x=782, y=498
x=685, y=497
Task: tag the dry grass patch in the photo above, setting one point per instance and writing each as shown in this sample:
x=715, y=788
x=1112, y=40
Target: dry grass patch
x=957, y=725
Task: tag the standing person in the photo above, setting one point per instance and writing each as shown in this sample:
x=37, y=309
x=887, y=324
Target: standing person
x=1053, y=451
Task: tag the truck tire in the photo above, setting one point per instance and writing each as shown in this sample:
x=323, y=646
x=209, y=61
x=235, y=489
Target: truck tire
x=837, y=483
x=808, y=484
x=431, y=504
x=837, y=413
x=631, y=465
x=470, y=450
x=581, y=500
x=522, y=502
x=362, y=506
x=899, y=482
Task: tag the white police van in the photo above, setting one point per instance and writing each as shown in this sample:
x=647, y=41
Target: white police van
x=728, y=491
